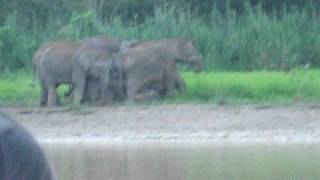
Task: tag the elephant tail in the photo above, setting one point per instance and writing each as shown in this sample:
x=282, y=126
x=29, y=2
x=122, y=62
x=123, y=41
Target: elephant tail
x=36, y=63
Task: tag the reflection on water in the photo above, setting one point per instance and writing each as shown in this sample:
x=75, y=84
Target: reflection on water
x=99, y=160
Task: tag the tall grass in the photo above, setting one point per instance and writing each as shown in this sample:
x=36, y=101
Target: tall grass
x=254, y=40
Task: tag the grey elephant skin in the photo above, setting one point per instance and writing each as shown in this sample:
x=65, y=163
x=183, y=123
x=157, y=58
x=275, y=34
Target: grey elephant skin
x=55, y=68
x=149, y=68
x=114, y=91
x=54, y=64
x=111, y=44
x=95, y=65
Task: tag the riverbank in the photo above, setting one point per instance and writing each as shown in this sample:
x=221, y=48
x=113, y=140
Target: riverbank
x=184, y=122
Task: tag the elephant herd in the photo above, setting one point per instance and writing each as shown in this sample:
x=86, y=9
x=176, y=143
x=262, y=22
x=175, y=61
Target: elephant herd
x=102, y=70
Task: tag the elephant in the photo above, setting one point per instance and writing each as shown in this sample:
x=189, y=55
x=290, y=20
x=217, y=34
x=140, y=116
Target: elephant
x=149, y=68
x=20, y=155
x=92, y=65
x=114, y=91
x=53, y=62
x=55, y=68
x=113, y=45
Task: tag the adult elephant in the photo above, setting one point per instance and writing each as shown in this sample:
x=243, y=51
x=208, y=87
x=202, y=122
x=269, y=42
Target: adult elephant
x=54, y=67
x=38, y=55
x=149, y=68
x=54, y=61
x=111, y=44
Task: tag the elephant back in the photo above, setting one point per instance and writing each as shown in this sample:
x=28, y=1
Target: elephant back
x=104, y=43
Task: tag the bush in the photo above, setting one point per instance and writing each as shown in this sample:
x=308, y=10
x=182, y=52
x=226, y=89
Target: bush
x=256, y=40
x=14, y=49
x=81, y=25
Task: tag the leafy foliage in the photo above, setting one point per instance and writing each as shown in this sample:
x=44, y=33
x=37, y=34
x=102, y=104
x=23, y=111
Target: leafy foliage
x=14, y=49
x=255, y=39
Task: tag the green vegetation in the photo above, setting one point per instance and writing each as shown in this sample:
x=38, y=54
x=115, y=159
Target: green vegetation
x=297, y=85
x=237, y=38
x=29, y=13
x=253, y=40
x=213, y=87
x=17, y=89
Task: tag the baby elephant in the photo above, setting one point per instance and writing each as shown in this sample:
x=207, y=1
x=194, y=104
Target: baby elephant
x=20, y=156
x=114, y=91
x=92, y=65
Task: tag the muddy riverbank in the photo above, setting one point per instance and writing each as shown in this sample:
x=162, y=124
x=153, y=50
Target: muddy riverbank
x=237, y=123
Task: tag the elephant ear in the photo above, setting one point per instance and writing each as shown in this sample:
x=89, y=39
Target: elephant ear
x=83, y=60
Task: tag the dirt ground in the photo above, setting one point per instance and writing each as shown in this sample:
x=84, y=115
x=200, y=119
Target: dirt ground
x=175, y=122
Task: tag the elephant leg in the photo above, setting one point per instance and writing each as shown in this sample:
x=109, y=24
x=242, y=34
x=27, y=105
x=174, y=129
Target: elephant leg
x=78, y=92
x=132, y=89
x=89, y=95
x=143, y=92
x=169, y=79
x=91, y=91
x=147, y=96
x=116, y=94
x=115, y=89
x=79, y=79
x=111, y=95
x=180, y=85
x=52, y=96
x=79, y=83
x=103, y=89
x=44, y=94
x=170, y=88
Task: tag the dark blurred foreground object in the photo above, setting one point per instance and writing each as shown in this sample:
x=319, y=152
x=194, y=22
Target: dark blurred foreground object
x=21, y=158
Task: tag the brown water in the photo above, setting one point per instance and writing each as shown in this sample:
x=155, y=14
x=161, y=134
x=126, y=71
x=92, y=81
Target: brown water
x=175, y=160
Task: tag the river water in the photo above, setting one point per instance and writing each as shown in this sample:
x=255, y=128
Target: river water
x=80, y=159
